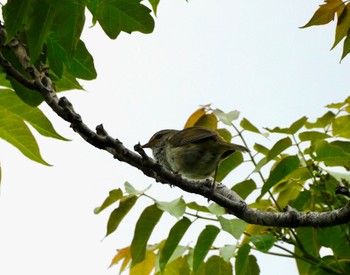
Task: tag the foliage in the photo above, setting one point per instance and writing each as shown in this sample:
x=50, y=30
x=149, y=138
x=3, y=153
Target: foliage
x=326, y=13
x=301, y=169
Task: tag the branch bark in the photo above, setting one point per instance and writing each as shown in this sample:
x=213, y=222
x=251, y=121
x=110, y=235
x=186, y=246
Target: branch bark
x=40, y=81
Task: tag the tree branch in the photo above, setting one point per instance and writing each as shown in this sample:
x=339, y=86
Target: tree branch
x=40, y=81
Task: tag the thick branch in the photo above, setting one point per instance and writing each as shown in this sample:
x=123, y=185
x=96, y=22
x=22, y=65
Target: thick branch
x=41, y=83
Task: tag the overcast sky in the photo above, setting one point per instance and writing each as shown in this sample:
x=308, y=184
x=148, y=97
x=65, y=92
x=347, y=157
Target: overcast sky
x=249, y=56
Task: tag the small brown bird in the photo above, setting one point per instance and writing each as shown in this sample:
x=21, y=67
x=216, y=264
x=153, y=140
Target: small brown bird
x=194, y=152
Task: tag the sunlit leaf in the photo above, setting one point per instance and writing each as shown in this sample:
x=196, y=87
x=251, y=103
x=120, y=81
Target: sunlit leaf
x=119, y=213
x=146, y=266
x=114, y=195
x=289, y=193
x=132, y=191
x=176, y=207
x=312, y=135
x=208, y=121
x=216, y=209
x=144, y=227
x=321, y=122
x=341, y=126
x=227, y=252
x=123, y=254
x=204, y=242
x=191, y=121
x=233, y=226
x=218, y=266
x=332, y=154
x=326, y=13
x=175, y=235
x=226, y=118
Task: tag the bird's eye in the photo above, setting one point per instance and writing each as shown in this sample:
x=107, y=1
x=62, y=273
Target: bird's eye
x=159, y=136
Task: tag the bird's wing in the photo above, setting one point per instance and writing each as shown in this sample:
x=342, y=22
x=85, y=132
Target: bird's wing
x=190, y=135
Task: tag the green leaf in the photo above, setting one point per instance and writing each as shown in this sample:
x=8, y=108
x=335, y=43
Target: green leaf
x=263, y=242
x=114, y=195
x=119, y=213
x=235, y=227
x=208, y=120
x=278, y=148
x=144, y=227
x=146, y=266
x=82, y=64
x=244, y=188
x=216, y=209
x=227, y=252
x=176, y=207
x=13, y=112
x=34, y=116
x=195, y=206
x=283, y=168
x=333, y=237
x=227, y=165
x=66, y=82
x=226, y=118
x=204, y=242
x=175, y=235
x=216, y=265
x=246, y=264
x=343, y=25
x=261, y=149
x=321, y=122
x=68, y=24
x=31, y=97
x=225, y=134
x=154, y=4
x=247, y=125
x=260, y=165
x=39, y=27
x=132, y=191
x=178, y=266
x=346, y=46
x=56, y=54
x=326, y=13
x=312, y=135
x=341, y=126
x=295, y=127
x=16, y=13
x=115, y=16
x=332, y=154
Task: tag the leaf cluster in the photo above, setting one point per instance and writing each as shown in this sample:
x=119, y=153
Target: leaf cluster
x=326, y=13
x=301, y=169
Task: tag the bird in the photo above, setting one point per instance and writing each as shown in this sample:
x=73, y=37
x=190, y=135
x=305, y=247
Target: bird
x=194, y=152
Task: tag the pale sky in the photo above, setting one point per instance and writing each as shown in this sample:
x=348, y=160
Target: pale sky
x=249, y=56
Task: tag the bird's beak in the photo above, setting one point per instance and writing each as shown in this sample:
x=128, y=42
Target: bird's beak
x=146, y=145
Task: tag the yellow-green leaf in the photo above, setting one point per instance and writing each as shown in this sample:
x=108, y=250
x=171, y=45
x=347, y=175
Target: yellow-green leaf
x=191, y=121
x=343, y=25
x=326, y=13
